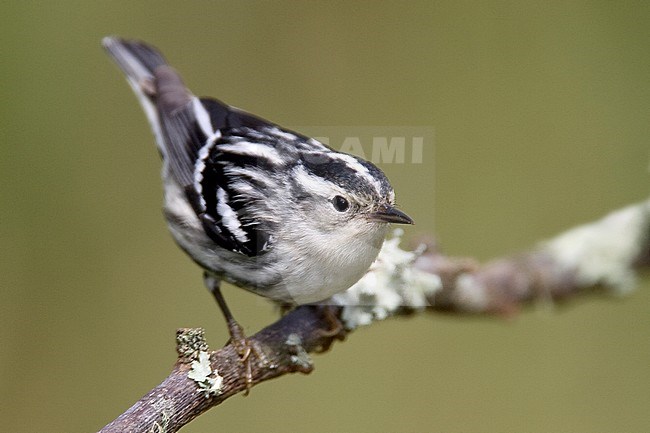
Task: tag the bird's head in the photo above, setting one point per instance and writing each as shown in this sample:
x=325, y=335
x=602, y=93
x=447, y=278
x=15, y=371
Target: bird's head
x=345, y=199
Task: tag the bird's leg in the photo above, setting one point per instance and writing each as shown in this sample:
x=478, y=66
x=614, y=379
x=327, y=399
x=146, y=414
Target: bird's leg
x=336, y=329
x=284, y=308
x=244, y=346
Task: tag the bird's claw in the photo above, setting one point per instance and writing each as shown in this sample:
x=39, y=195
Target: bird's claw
x=336, y=329
x=248, y=350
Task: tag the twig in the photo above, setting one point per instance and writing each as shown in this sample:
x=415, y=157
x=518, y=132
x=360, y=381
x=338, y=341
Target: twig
x=600, y=255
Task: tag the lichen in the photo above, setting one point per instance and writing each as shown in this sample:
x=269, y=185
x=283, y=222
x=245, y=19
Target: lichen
x=390, y=284
x=603, y=252
x=208, y=381
x=161, y=427
x=300, y=358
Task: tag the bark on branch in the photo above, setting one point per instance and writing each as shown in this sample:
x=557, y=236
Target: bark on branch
x=596, y=256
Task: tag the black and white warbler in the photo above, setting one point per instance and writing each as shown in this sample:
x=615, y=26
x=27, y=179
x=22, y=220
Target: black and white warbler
x=254, y=204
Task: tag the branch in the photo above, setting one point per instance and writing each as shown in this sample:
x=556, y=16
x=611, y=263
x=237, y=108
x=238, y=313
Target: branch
x=589, y=258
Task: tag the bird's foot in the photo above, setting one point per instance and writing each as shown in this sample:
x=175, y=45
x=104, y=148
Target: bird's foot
x=336, y=329
x=248, y=350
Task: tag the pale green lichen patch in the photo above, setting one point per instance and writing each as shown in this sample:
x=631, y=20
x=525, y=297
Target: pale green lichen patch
x=299, y=357
x=391, y=283
x=161, y=427
x=208, y=381
x=603, y=252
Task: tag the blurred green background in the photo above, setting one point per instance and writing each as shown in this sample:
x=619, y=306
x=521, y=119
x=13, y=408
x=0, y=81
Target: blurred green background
x=541, y=115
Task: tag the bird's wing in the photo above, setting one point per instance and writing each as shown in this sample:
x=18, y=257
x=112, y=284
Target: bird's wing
x=187, y=131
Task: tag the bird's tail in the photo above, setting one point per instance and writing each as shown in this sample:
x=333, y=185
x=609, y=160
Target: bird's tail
x=137, y=60
x=159, y=89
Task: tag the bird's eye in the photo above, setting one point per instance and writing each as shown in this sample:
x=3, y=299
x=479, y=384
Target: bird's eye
x=340, y=203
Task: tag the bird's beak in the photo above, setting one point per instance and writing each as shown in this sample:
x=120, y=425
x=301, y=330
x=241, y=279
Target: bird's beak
x=390, y=214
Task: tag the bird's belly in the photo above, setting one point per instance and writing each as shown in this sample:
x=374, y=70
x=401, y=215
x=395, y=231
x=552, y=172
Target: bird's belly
x=312, y=279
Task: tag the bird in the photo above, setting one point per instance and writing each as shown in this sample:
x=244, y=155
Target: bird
x=254, y=204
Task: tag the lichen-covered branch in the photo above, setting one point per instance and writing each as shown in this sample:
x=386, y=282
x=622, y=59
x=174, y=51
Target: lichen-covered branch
x=600, y=255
